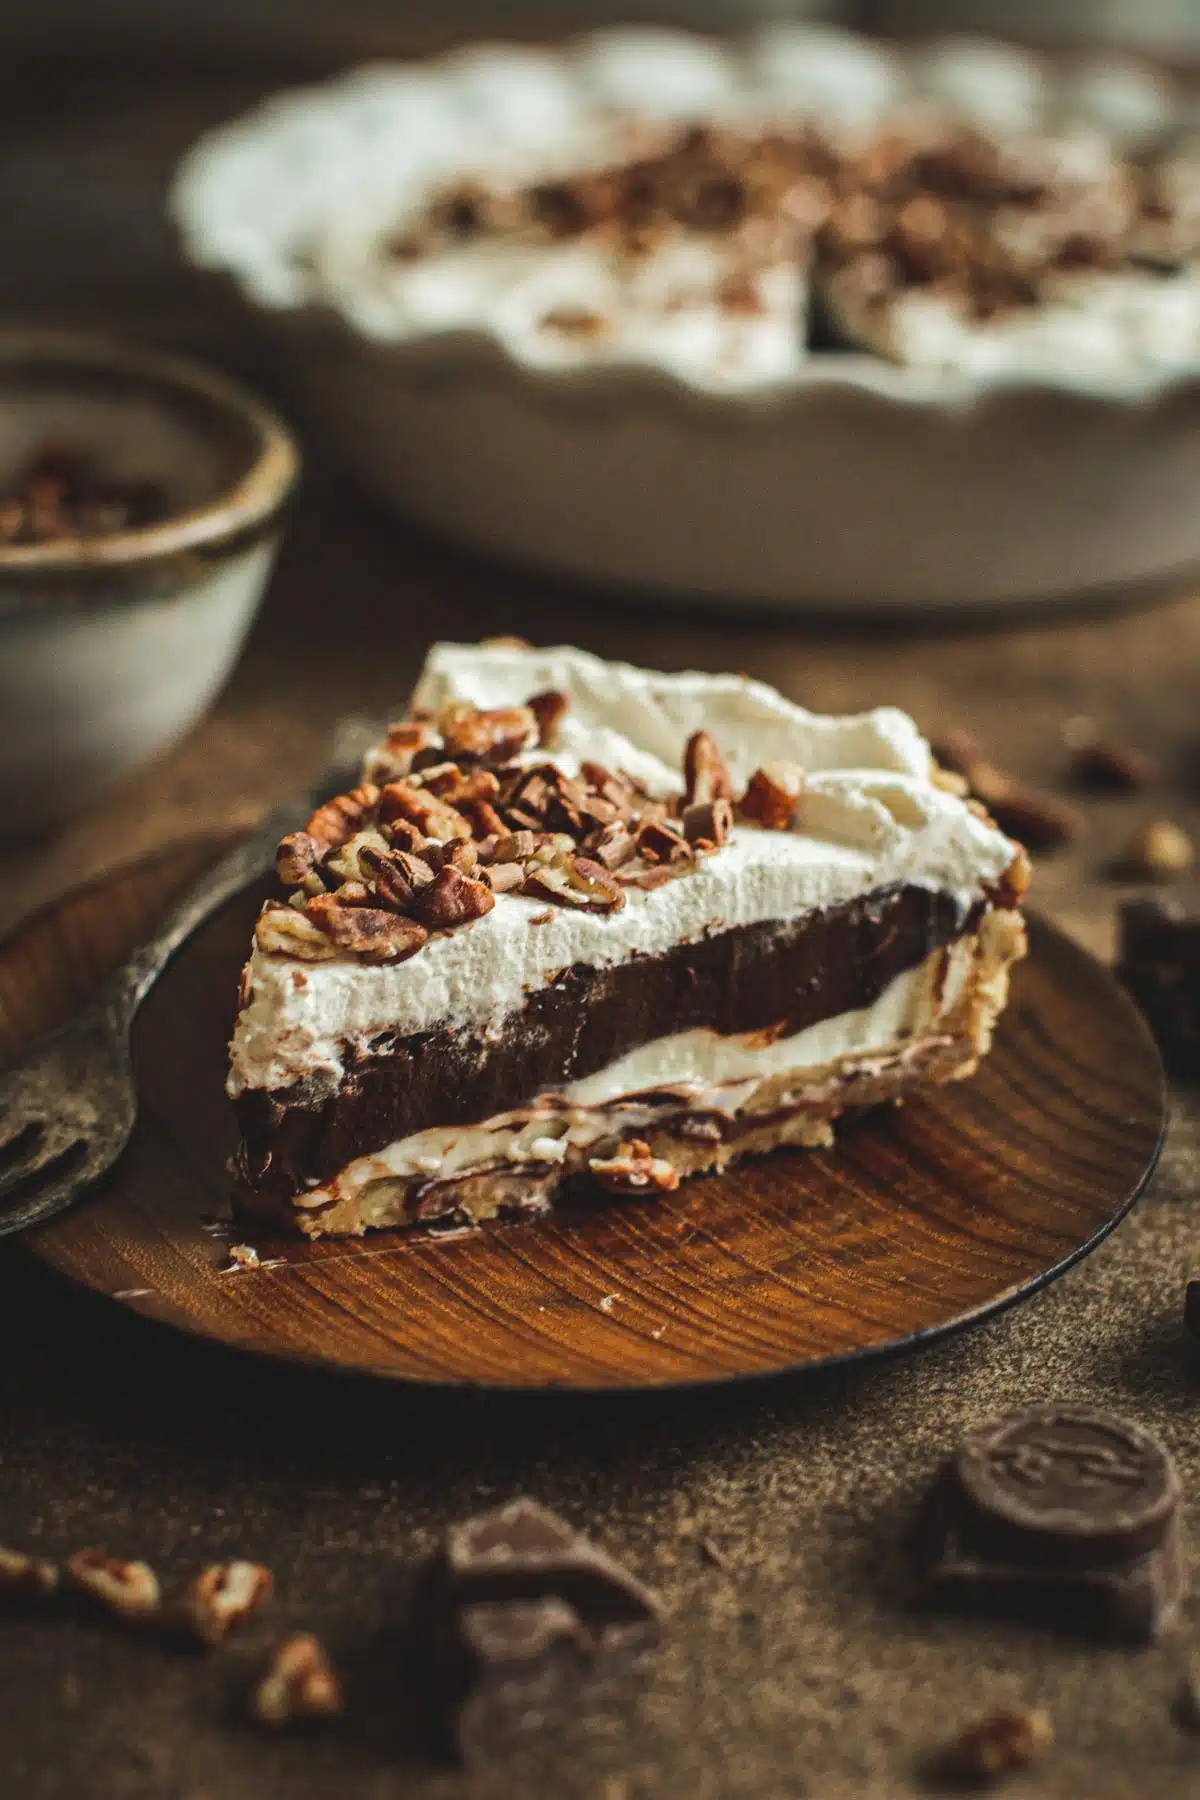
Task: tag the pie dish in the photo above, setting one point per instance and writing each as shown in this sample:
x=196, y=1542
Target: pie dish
x=818, y=392
x=582, y=920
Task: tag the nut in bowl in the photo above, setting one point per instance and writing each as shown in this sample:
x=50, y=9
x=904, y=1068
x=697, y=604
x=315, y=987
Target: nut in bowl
x=140, y=510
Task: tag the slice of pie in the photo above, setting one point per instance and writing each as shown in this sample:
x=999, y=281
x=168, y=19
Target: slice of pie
x=585, y=921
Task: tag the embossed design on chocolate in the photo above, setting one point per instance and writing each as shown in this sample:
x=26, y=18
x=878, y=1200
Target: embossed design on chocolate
x=1061, y=1508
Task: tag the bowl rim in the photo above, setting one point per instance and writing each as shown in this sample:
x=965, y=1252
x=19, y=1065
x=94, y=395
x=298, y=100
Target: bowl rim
x=248, y=504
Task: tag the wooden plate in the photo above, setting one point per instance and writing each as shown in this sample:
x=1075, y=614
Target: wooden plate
x=921, y=1219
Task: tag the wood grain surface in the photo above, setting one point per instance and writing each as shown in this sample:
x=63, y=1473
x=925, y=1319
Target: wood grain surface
x=920, y=1219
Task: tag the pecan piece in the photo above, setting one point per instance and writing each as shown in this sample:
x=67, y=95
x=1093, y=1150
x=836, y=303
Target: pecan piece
x=660, y=842
x=549, y=710
x=366, y=931
x=705, y=776
x=998, y=1745
x=633, y=1170
x=575, y=881
x=299, y=1686
x=282, y=931
x=453, y=899
x=496, y=735
x=405, y=739
x=21, y=1574
x=516, y=847
x=1159, y=852
x=708, y=822
x=396, y=875
x=485, y=820
x=129, y=1589
x=1115, y=768
x=434, y=817
x=296, y=862
x=770, y=799
x=613, y=846
x=339, y=818
x=502, y=878
x=221, y=1596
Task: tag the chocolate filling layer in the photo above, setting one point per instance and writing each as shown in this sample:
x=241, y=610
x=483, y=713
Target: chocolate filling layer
x=778, y=975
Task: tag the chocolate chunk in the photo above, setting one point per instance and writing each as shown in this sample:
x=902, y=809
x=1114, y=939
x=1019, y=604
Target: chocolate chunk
x=1063, y=1511
x=520, y=1612
x=523, y=1552
x=1159, y=964
x=521, y=1665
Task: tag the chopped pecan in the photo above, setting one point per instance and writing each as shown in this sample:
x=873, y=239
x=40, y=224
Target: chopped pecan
x=660, y=842
x=404, y=835
x=517, y=846
x=575, y=881
x=1161, y=851
x=461, y=854
x=21, y=1574
x=221, y=1596
x=1113, y=767
x=299, y=1686
x=129, y=1589
x=339, y=818
x=366, y=931
x=502, y=878
x=1037, y=820
x=434, y=817
x=468, y=790
x=281, y=931
x=705, y=776
x=633, y=1170
x=998, y=1745
x=654, y=878
x=405, y=739
x=770, y=799
x=343, y=862
x=708, y=822
x=496, y=735
x=453, y=899
x=437, y=777
x=485, y=820
x=296, y=862
x=613, y=845
x=548, y=709
x=575, y=321
x=616, y=788
x=396, y=875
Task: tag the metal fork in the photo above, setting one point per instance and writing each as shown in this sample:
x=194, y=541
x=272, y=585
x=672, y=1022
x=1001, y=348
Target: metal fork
x=68, y=1106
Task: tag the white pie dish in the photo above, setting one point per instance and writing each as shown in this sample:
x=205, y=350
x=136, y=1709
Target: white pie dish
x=788, y=479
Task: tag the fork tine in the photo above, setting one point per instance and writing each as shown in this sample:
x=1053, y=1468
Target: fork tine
x=20, y=1141
x=49, y=1160
x=44, y=1201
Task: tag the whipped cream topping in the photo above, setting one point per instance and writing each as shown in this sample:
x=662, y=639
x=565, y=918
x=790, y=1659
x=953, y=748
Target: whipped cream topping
x=304, y=200
x=704, y=1071
x=870, y=817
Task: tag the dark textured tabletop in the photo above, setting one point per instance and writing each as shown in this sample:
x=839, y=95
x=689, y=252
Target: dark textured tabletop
x=772, y=1518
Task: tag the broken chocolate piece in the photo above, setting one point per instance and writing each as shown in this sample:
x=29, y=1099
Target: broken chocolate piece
x=520, y=1611
x=524, y=1552
x=521, y=1664
x=1064, y=1511
x=1159, y=964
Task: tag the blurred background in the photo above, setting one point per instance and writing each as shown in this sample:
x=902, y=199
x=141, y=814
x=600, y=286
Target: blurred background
x=101, y=97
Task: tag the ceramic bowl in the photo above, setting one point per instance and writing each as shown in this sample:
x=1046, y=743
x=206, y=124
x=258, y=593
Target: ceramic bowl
x=111, y=646
x=808, y=477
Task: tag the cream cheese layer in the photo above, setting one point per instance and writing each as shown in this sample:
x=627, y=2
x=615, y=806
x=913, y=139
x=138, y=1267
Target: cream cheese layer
x=700, y=1070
